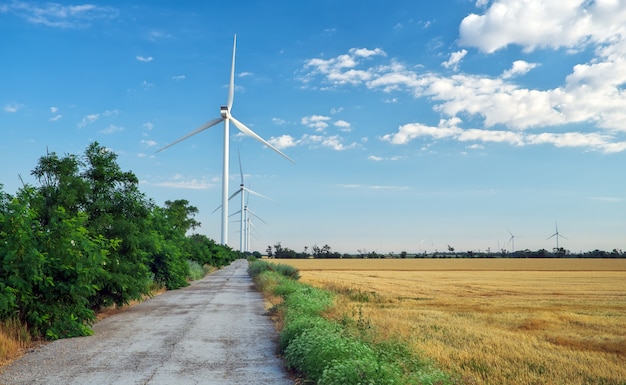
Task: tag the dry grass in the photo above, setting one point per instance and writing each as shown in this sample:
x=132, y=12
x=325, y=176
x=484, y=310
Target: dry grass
x=502, y=321
x=14, y=341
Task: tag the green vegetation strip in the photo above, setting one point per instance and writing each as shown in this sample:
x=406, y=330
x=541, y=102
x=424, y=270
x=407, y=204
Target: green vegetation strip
x=327, y=352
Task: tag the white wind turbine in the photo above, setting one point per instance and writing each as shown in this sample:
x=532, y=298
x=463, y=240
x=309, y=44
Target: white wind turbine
x=511, y=241
x=250, y=225
x=244, y=208
x=226, y=117
x=557, y=235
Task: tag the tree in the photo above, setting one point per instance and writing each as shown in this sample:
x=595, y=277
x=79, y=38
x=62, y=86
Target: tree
x=50, y=266
x=117, y=210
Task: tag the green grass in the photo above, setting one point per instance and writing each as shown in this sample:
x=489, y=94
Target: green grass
x=325, y=352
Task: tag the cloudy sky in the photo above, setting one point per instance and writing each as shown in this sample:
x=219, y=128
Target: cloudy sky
x=413, y=125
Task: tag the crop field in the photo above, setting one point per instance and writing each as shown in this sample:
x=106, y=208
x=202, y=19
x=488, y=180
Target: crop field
x=490, y=321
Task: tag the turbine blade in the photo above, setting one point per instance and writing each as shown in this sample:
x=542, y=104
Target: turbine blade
x=234, y=194
x=218, y=207
x=256, y=216
x=240, y=168
x=248, y=131
x=551, y=236
x=203, y=127
x=235, y=213
x=256, y=193
x=231, y=86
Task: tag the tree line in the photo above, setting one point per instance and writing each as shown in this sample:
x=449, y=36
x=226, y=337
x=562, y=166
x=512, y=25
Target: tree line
x=84, y=237
x=279, y=251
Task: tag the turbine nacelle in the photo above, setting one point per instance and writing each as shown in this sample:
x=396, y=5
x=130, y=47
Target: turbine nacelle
x=225, y=112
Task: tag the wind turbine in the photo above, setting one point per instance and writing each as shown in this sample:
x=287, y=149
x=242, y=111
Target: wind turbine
x=557, y=235
x=511, y=241
x=250, y=225
x=226, y=117
x=242, y=190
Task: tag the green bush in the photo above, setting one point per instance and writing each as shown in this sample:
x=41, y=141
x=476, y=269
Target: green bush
x=195, y=270
x=316, y=348
x=298, y=324
x=360, y=371
x=256, y=267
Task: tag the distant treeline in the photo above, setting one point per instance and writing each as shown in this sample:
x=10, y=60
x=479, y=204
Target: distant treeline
x=279, y=251
x=84, y=237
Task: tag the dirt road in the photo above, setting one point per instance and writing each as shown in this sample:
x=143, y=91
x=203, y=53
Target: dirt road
x=212, y=332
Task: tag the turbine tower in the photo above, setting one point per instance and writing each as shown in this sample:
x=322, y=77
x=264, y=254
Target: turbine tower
x=226, y=117
x=556, y=235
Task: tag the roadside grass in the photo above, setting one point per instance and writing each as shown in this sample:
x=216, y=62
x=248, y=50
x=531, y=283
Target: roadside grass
x=14, y=340
x=513, y=327
x=328, y=352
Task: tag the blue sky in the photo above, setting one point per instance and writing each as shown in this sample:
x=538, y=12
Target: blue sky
x=413, y=125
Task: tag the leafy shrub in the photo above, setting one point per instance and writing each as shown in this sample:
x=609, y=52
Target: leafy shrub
x=256, y=267
x=298, y=324
x=360, y=371
x=304, y=299
x=195, y=270
x=316, y=348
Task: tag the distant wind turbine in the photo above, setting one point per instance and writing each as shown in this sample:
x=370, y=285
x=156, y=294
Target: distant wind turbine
x=226, y=117
x=250, y=225
x=556, y=235
x=242, y=190
x=511, y=241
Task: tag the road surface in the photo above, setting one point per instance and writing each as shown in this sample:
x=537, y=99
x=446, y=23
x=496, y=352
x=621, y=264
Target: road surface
x=212, y=332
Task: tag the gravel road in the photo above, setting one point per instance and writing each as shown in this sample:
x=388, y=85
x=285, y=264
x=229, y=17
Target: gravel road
x=212, y=332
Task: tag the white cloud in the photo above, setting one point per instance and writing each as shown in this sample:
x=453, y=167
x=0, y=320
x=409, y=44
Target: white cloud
x=592, y=94
x=145, y=59
x=89, y=119
x=318, y=122
x=92, y=118
x=54, y=110
x=538, y=24
x=55, y=118
x=455, y=60
x=283, y=141
x=149, y=143
x=335, y=142
x=13, y=107
x=111, y=129
x=148, y=126
x=179, y=77
x=340, y=70
x=279, y=121
x=59, y=15
x=343, y=125
x=520, y=67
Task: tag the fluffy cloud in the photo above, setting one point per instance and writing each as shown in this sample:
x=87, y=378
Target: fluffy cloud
x=144, y=59
x=318, y=122
x=455, y=60
x=538, y=24
x=592, y=94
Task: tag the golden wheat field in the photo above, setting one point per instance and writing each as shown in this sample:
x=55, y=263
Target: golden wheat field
x=491, y=321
